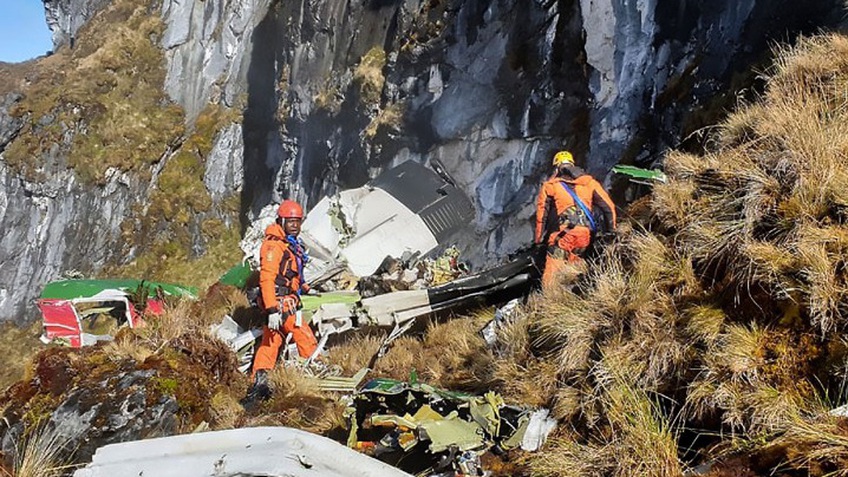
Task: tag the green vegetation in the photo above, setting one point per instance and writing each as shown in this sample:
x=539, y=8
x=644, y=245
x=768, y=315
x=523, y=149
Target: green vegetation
x=102, y=103
x=19, y=345
x=369, y=75
x=719, y=312
x=180, y=215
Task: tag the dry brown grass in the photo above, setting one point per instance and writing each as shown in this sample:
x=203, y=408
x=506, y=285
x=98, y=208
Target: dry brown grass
x=450, y=354
x=111, y=85
x=297, y=402
x=226, y=411
x=390, y=117
x=635, y=437
x=817, y=445
x=369, y=75
x=19, y=345
x=41, y=452
x=766, y=206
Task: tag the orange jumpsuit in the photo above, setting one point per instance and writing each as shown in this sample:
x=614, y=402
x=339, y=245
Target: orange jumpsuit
x=573, y=234
x=279, y=283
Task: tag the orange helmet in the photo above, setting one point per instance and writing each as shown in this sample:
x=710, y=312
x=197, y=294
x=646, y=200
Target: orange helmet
x=290, y=209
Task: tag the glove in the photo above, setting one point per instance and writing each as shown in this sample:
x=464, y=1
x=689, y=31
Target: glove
x=275, y=320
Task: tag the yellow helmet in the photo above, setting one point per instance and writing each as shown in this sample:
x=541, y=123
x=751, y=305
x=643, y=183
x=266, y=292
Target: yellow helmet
x=562, y=158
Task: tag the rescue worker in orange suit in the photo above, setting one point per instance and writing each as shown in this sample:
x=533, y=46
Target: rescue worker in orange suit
x=282, y=258
x=571, y=195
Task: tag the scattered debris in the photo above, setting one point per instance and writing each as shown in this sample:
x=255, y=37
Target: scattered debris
x=396, y=309
x=342, y=384
x=641, y=176
x=240, y=341
x=503, y=316
x=841, y=411
x=409, y=209
x=455, y=429
x=248, y=451
x=82, y=312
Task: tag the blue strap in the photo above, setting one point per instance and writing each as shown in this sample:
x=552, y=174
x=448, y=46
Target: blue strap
x=580, y=204
x=300, y=256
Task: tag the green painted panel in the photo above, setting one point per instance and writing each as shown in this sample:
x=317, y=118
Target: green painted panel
x=639, y=173
x=237, y=276
x=71, y=289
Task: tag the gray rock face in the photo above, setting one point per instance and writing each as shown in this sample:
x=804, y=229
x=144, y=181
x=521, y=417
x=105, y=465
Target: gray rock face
x=491, y=88
x=224, y=174
x=84, y=421
x=335, y=91
x=66, y=17
x=54, y=226
x=10, y=126
x=207, y=44
x=654, y=61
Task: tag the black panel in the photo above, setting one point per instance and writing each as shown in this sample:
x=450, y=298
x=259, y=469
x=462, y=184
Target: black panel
x=443, y=207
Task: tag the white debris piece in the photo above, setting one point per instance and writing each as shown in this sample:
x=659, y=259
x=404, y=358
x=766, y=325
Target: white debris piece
x=540, y=426
x=237, y=339
x=503, y=315
x=270, y=451
x=381, y=226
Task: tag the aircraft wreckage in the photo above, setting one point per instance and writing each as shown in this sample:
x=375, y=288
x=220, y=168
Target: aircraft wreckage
x=377, y=237
x=371, y=251
x=374, y=236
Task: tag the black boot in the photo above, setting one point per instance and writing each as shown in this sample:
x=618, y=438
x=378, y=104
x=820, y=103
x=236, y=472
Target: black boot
x=259, y=391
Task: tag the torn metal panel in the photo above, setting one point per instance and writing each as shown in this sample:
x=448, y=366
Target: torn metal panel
x=539, y=427
x=342, y=384
x=446, y=433
x=432, y=196
x=77, y=289
x=240, y=341
x=69, y=306
x=382, y=309
x=503, y=316
x=258, y=451
x=406, y=209
x=383, y=227
x=455, y=428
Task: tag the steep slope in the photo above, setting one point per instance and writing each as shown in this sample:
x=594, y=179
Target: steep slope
x=714, y=329
x=98, y=167
x=253, y=101
x=708, y=336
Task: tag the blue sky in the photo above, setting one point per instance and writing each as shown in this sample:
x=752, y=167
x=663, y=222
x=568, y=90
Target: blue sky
x=23, y=30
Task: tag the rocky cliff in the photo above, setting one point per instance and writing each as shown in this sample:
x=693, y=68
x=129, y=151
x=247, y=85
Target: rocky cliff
x=300, y=98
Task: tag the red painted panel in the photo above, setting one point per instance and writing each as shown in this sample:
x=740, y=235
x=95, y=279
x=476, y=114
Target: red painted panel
x=60, y=321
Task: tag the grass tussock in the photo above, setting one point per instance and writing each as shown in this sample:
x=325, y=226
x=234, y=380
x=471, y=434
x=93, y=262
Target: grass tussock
x=40, y=452
x=635, y=437
x=449, y=354
x=19, y=346
x=767, y=206
x=725, y=314
x=297, y=402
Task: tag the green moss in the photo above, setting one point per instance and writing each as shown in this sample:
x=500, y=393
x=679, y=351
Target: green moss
x=39, y=408
x=166, y=386
x=179, y=209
